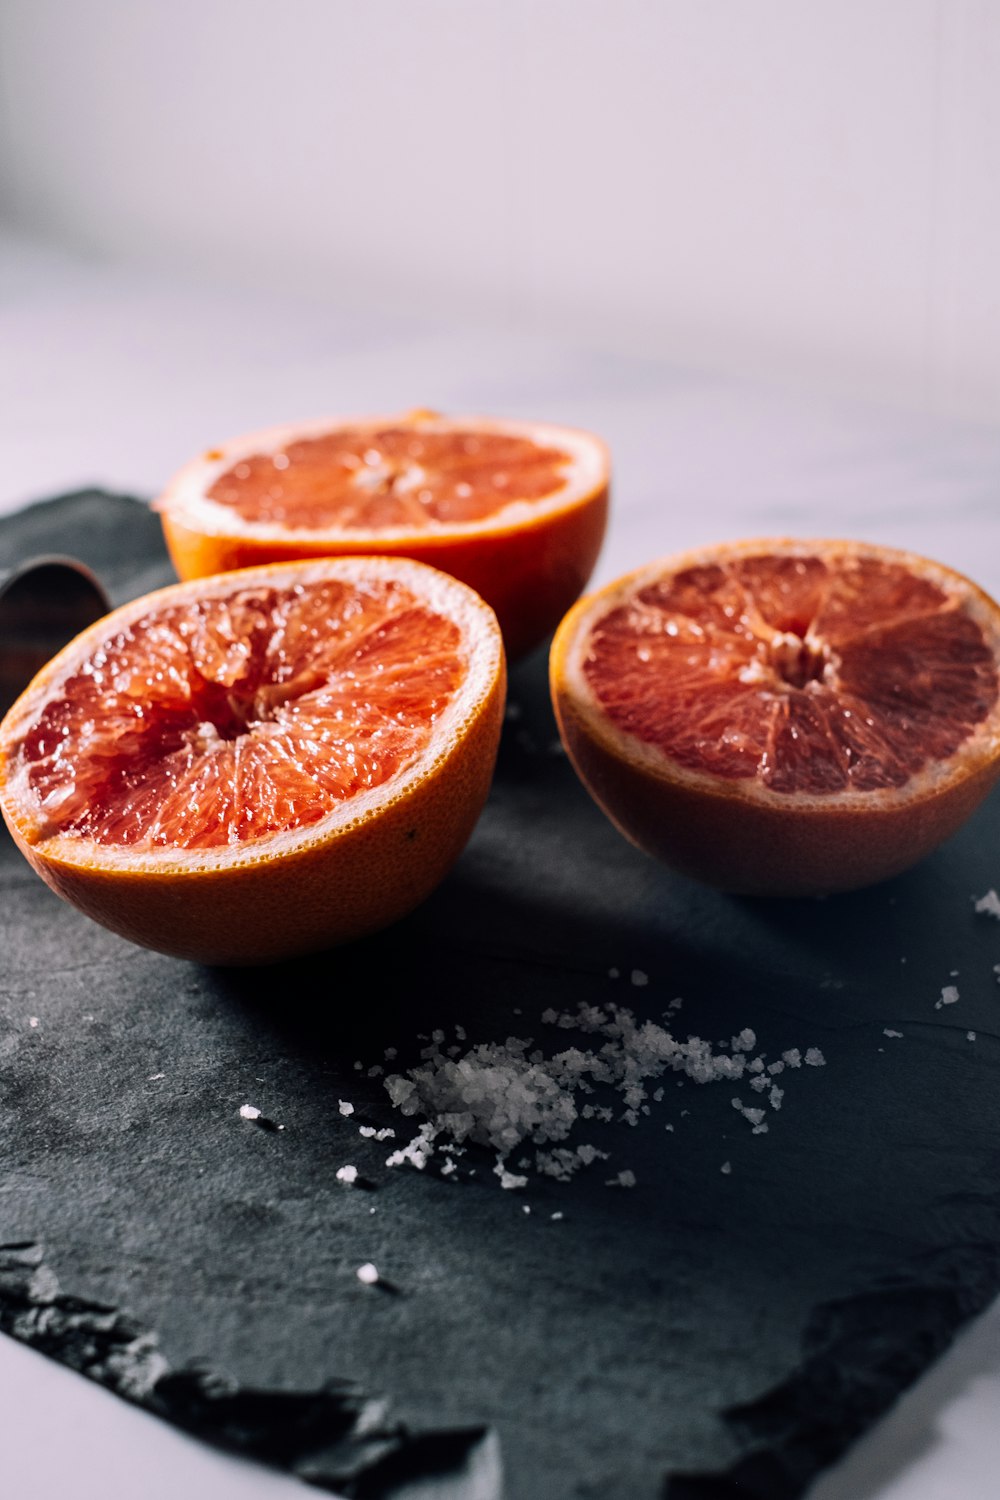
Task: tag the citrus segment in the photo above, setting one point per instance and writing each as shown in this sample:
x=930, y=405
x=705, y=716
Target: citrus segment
x=260, y=763
x=798, y=700
x=515, y=509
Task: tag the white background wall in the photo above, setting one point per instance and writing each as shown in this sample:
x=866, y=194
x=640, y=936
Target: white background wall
x=797, y=187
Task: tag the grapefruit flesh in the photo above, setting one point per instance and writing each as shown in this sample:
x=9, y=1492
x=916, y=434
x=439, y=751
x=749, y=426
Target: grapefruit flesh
x=262, y=763
x=782, y=717
x=515, y=509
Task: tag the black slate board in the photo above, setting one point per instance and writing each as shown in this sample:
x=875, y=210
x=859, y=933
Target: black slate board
x=699, y=1335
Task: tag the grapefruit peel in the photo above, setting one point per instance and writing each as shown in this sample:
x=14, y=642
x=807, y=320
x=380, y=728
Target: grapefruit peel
x=739, y=834
x=365, y=863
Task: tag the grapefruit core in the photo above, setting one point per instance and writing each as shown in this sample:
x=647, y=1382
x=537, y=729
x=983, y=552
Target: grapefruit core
x=517, y=510
x=260, y=764
x=783, y=717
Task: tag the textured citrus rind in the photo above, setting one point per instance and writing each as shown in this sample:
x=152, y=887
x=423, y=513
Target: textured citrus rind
x=529, y=560
x=359, y=869
x=740, y=835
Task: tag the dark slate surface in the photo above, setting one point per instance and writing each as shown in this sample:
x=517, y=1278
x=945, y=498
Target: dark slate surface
x=700, y=1335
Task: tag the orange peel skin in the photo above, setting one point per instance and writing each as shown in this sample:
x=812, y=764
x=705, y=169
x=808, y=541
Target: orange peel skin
x=304, y=891
x=529, y=556
x=735, y=835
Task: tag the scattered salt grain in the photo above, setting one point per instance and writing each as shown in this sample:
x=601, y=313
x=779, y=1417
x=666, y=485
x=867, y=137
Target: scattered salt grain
x=614, y=973
x=367, y=1274
x=949, y=996
x=347, y=1174
x=624, y=1179
x=504, y=1095
x=888, y=1031
x=639, y=979
x=814, y=1058
x=556, y=1216
x=526, y=1208
x=32, y=1021
x=344, y=1107
x=389, y=1053
x=989, y=904
x=155, y=1077
x=970, y=1036
x=726, y=1168
x=510, y=1180
x=376, y=1071
x=249, y=1112
x=367, y=1131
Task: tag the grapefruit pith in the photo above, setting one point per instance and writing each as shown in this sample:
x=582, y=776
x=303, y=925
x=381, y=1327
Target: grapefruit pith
x=517, y=510
x=784, y=717
x=262, y=763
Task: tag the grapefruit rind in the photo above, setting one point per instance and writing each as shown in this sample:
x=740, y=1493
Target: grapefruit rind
x=530, y=559
x=186, y=500
x=741, y=835
x=364, y=865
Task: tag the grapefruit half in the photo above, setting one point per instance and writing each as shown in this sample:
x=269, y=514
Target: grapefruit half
x=517, y=510
x=784, y=717
x=260, y=764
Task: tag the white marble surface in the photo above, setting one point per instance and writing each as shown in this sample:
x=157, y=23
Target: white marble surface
x=115, y=378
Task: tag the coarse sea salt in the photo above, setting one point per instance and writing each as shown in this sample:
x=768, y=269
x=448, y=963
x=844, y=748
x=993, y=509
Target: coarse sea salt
x=989, y=904
x=504, y=1095
x=949, y=996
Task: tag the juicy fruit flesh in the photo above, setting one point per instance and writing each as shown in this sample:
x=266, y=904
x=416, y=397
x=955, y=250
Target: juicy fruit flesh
x=223, y=721
x=370, y=478
x=809, y=674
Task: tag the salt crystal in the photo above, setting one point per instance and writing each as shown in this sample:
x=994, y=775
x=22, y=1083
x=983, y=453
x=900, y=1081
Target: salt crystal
x=32, y=1021
x=639, y=979
x=970, y=1036
x=775, y=1097
x=745, y=1042
x=249, y=1112
x=888, y=1031
x=814, y=1058
x=376, y=1071
x=367, y=1274
x=509, y=1180
x=775, y=1068
x=344, y=1107
x=726, y=1168
x=989, y=904
x=949, y=996
x=614, y=973
x=389, y=1053
x=556, y=1216
x=347, y=1174
x=793, y=1057
x=658, y=1095
x=367, y=1131
x=526, y=1208
x=624, y=1179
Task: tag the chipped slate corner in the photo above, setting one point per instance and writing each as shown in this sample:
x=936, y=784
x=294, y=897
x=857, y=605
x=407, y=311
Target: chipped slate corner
x=334, y=1438
x=853, y=1369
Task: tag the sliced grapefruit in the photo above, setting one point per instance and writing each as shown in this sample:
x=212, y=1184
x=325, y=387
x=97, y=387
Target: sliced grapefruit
x=782, y=717
x=517, y=510
x=263, y=763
